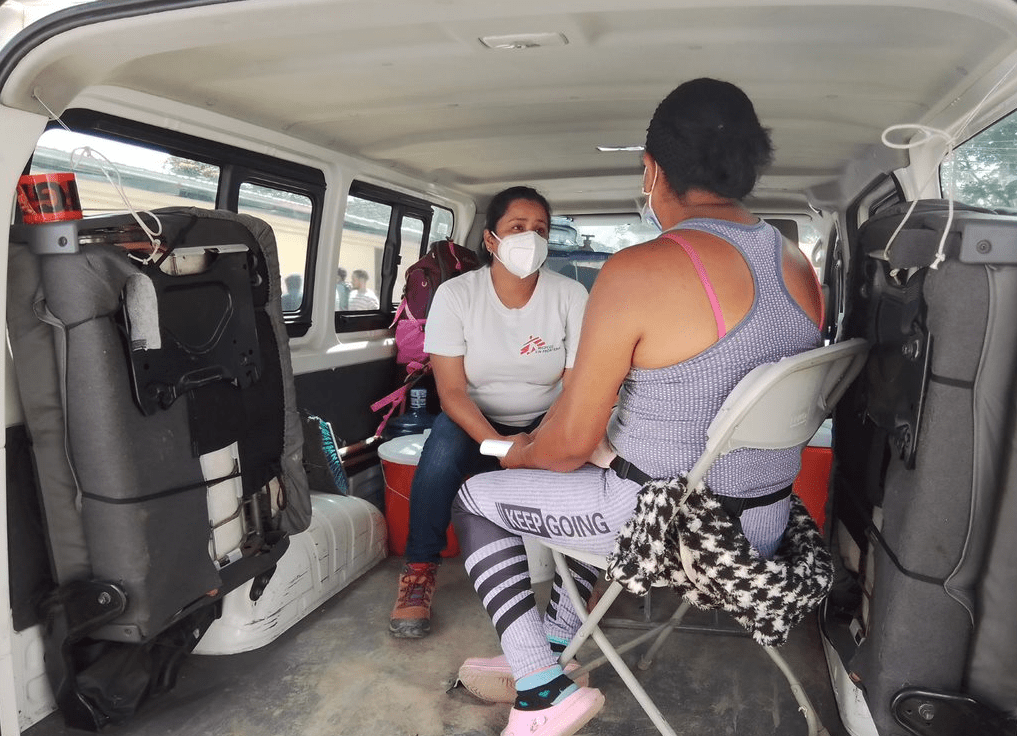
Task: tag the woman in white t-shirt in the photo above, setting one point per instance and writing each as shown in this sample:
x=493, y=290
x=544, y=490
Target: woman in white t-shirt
x=502, y=339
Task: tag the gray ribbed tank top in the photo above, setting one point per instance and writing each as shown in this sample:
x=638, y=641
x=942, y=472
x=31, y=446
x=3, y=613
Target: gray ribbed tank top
x=663, y=413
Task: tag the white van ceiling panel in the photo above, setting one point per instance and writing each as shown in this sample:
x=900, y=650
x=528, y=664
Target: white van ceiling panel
x=410, y=86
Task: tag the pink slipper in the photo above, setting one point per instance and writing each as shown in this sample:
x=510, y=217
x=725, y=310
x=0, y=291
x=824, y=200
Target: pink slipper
x=491, y=679
x=562, y=719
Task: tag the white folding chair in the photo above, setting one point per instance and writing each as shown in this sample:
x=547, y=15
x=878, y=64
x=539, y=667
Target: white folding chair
x=777, y=405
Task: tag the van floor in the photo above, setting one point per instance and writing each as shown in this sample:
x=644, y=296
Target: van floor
x=339, y=672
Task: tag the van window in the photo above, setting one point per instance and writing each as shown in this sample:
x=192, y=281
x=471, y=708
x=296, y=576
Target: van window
x=983, y=170
x=384, y=232
x=578, y=245
x=159, y=168
x=365, y=231
x=599, y=233
x=611, y=233
x=149, y=178
x=289, y=216
x=412, y=244
x=810, y=240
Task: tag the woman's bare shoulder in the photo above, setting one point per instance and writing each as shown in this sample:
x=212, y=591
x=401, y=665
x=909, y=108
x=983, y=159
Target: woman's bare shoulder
x=654, y=259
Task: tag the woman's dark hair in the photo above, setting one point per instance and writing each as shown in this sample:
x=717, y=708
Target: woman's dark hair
x=705, y=135
x=499, y=205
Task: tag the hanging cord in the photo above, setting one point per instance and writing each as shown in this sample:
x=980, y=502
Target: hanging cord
x=105, y=165
x=925, y=134
x=80, y=154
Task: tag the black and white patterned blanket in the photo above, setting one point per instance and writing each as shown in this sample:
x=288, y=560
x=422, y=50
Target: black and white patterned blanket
x=694, y=547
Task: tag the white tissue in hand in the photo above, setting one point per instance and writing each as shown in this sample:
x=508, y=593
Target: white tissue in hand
x=496, y=448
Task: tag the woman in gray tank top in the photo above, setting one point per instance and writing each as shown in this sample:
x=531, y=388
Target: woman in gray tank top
x=671, y=326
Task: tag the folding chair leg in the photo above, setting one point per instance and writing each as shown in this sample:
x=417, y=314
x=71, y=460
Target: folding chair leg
x=589, y=621
x=590, y=628
x=621, y=649
x=647, y=659
x=625, y=623
x=804, y=704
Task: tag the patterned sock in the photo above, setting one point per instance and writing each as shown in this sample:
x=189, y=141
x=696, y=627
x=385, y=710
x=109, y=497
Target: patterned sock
x=543, y=689
x=557, y=645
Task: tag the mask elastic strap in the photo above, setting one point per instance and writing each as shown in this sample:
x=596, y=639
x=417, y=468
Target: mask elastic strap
x=656, y=170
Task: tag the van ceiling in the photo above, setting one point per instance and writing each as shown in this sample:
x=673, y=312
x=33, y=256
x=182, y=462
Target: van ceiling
x=410, y=85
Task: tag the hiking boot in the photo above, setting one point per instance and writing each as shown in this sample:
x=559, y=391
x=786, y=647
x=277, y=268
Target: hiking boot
x=411, y=617
x=562, y=719
x=491, y=679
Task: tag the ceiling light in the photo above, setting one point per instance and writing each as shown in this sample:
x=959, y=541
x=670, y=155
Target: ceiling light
x=616, y=149
x=524, y=40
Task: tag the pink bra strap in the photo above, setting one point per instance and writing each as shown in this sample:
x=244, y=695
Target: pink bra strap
x=707, y=286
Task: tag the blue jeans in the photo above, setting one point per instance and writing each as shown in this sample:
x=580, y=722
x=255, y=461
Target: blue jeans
x=449, y=457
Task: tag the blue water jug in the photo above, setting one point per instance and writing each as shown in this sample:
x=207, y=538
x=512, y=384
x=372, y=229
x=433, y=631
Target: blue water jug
x=415, y=421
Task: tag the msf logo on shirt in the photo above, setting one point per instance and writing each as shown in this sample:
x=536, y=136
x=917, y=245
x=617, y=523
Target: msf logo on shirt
x=532, y=345
x=533, y=521
x=537, y=345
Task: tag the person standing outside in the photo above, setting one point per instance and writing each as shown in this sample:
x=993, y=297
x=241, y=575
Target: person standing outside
x=293, y=294
x=342, y=291
x=502, y=339
x=362, y=299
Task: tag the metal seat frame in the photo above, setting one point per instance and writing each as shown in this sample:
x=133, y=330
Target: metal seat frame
x=776, y=405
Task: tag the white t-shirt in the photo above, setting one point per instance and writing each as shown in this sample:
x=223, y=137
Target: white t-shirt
x=514, y=358
x=363, y=300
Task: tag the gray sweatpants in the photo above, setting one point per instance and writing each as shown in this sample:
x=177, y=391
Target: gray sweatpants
x=584, y=510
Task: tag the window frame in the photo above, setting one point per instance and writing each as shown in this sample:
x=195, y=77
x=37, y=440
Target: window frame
x=236, y=166
x=402, y=205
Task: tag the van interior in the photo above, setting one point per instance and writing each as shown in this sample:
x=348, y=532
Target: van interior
x=250, y=155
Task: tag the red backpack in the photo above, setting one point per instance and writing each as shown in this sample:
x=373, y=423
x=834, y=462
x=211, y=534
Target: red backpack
x=444, y=260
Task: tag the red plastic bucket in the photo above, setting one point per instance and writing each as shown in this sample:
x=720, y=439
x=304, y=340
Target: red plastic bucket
x=812, y=483
x=399, y=458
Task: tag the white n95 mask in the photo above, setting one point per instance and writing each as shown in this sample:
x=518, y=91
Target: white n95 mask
x=522, y=253
x=649, y=217
x=646, y=213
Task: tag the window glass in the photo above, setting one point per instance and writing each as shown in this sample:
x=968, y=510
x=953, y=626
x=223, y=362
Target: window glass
x=149, y=178
x=983, y=170
x=578, y=245
x=442, y=222
x=363, y=245
x=598, y=233
x=411, y=245
x=289, y=216
x=810, y=240
x=199, y=173
x=611, y=233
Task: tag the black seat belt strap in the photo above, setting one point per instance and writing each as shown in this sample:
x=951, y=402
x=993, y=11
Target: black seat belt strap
x=735, y=506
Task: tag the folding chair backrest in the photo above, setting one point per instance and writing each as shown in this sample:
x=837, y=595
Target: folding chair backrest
x=782, y=404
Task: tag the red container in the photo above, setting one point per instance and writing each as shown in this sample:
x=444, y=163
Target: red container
x=398, y=464
x=812, y=483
